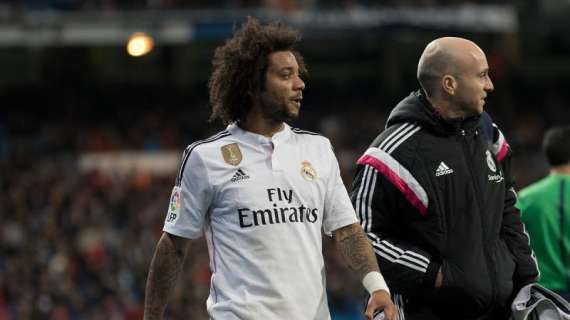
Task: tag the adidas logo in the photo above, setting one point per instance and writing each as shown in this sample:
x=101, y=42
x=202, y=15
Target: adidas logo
x=239, y=175
x=443, y=169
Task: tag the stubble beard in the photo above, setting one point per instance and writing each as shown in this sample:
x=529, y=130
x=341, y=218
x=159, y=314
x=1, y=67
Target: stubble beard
x=470, y=108
x=276, y=111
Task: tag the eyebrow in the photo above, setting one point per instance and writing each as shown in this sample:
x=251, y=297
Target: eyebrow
x=286, y=69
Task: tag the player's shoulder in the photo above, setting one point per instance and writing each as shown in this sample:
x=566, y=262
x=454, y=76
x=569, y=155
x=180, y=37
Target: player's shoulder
x=540, y=189
x=396, y=145
x=399, y=136
x=310, y=136
x=531, y=197
x=205, y=145
x=196, y=152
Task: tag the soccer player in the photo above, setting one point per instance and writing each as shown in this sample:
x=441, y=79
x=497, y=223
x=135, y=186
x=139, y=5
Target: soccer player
x=545, y=207
x=262, y=192
x=434, y=193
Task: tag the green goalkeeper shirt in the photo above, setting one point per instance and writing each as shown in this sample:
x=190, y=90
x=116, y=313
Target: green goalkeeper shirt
x=545, y=207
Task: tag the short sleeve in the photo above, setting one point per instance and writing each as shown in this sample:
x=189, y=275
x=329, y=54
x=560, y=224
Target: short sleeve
x=190, y=199
x=338, y=208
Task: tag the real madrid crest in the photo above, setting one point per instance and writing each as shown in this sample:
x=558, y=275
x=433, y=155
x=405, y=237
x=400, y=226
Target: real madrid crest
x=490, y=161
x=232, y=154
x=307, y=171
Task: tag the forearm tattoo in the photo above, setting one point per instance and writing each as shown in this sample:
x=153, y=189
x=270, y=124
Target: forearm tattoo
x=356, y=249
x=164, y=270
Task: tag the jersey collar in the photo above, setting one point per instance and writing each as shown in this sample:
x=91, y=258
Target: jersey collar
x=254, y=138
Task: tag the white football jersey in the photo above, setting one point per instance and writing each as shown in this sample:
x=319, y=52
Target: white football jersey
x=263, y=204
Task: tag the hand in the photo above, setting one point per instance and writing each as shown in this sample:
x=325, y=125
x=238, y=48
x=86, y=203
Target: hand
x=380, y=300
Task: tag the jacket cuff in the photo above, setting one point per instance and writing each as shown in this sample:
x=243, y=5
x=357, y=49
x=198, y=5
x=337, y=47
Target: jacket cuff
x=431, y=274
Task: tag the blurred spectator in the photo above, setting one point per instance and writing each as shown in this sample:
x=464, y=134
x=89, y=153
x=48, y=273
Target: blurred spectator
x=545, y=207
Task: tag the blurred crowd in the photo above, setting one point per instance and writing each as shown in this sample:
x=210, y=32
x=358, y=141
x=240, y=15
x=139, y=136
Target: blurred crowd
x=110, y=5
x=75, y=245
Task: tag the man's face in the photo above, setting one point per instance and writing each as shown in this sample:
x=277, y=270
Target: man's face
x=281, y=99
x=473, y=84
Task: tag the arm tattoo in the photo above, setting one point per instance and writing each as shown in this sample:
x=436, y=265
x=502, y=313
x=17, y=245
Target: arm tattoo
x=356, y=250
x=164, y=270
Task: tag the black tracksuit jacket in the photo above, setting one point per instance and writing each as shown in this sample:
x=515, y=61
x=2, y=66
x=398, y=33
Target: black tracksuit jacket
x=432, y=193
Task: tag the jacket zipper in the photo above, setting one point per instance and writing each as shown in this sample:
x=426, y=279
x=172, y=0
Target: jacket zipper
x=477, y=189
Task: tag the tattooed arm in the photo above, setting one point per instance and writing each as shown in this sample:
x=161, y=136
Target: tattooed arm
x=356, y=250
x=358, y=254
x=164, y=270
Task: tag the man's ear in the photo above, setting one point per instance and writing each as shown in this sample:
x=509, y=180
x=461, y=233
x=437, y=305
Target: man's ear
x=449, y=84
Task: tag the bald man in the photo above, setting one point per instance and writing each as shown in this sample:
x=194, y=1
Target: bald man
x=434, y=194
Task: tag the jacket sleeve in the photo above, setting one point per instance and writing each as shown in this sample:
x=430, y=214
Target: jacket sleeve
x=380, y=206
x=513, y=230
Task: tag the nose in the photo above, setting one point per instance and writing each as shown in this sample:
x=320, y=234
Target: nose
x=489, y=85
x=299, y=84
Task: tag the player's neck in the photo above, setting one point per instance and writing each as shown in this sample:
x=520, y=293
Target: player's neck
x=564, y=170
x=256, y=123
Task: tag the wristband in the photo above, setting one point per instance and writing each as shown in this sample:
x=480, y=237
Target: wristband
x=373, y=281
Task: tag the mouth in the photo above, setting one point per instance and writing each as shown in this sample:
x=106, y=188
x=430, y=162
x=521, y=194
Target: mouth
x=297, y=101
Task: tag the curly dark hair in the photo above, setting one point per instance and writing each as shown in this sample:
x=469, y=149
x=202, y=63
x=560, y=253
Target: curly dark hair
x=239, y=67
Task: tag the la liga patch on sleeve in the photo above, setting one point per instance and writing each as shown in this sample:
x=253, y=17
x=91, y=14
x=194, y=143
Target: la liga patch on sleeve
x=174, y=205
